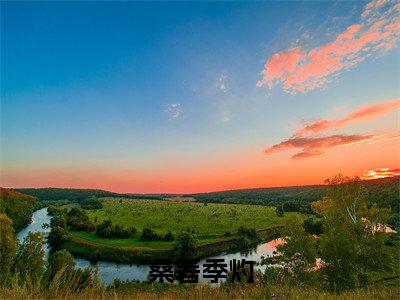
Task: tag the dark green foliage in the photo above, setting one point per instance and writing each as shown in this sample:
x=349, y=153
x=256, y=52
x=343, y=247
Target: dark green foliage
x=265, y=196
x=247, y=232
x=227, y=234
x=109, y=230
x=8, y=248
x=57, y=237
x=169, y=236
x=79, y=220
x=313, y=225
x=298, y=242
x=60, y=260
x=29, y=261
x=279, y=211
x=385, y=192
x=92, y=203
x=17, y=206
x=185, y=245
x=353, y=243
x=79, y=195
x=149, y=234
x=53, y=210
x=59, y=220
x=394, y=220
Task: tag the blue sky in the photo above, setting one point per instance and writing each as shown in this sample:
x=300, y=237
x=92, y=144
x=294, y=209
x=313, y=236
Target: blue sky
x=158, y=87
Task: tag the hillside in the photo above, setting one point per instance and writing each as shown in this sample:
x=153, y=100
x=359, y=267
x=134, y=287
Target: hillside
x=384, y=192
x=17, y=206
x=76, y=195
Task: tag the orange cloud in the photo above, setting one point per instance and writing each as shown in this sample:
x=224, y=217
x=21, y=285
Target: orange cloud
x=360, y=114
x=381, y=173
x=312, y=146
x=300, y=71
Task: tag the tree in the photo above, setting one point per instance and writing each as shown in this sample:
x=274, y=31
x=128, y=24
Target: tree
x=30, y=258
x=297, y=241
x=185, y=245
x=57, y=237
x=18, y=207
x=279, y=211
x=8, y=247
x=352, y=243
x=60, y=261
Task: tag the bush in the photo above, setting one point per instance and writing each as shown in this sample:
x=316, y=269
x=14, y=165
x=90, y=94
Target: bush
x=247, y=232
x=108, y=230
x=185, y=246
x=57, y=237
x=148, y=234
x=79, y=220
x=169, y=236
x=92, y=203
x=313, y=226
x=60, y=260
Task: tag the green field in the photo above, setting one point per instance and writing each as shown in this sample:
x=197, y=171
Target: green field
x=209, y=220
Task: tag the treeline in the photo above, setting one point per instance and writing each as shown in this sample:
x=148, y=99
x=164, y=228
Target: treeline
x=384, y=192
x=18, y=207
x=78, y=195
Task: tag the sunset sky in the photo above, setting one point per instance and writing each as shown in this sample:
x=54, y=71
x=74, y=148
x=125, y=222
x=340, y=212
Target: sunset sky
x=194, y=97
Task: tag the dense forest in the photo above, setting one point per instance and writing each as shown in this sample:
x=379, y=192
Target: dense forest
x=384, y=192
x=77, y=195
x=17, y=206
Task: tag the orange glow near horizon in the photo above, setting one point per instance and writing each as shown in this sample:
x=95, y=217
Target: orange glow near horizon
x=220, y=172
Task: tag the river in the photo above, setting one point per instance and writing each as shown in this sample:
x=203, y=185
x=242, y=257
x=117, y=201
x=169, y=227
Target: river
x=108, y=270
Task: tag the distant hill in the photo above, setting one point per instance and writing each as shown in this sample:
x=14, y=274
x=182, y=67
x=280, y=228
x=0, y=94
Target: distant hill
x=17, y=206
x=76, y=195
x=384, y=192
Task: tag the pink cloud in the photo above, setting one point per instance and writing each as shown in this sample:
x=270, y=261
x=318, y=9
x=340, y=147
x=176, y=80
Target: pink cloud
x=381, y=173
x=311, y=146
x=360, y=114
x=299, y=70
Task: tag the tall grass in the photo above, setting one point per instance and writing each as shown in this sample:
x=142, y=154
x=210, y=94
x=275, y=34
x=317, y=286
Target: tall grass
x=66, y=285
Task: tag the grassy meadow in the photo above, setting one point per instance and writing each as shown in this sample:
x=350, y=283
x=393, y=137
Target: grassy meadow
x=205, y=220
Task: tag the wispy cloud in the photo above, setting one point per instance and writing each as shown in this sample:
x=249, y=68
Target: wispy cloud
x=226, y=117
x=381, y=173
x=361, y=113
x=299, y=70
x=311, y=146
x=174, y=110
x=222, y=83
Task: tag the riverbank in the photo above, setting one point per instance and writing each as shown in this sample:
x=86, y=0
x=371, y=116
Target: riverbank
x=93, y=251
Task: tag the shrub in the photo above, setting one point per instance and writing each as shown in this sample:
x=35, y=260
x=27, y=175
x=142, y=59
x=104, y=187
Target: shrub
x=148, y=234
x=185, y=246
x=57, y=237
x=247, y=232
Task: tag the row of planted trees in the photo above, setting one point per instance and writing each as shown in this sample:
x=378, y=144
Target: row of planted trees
x=353, y=245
